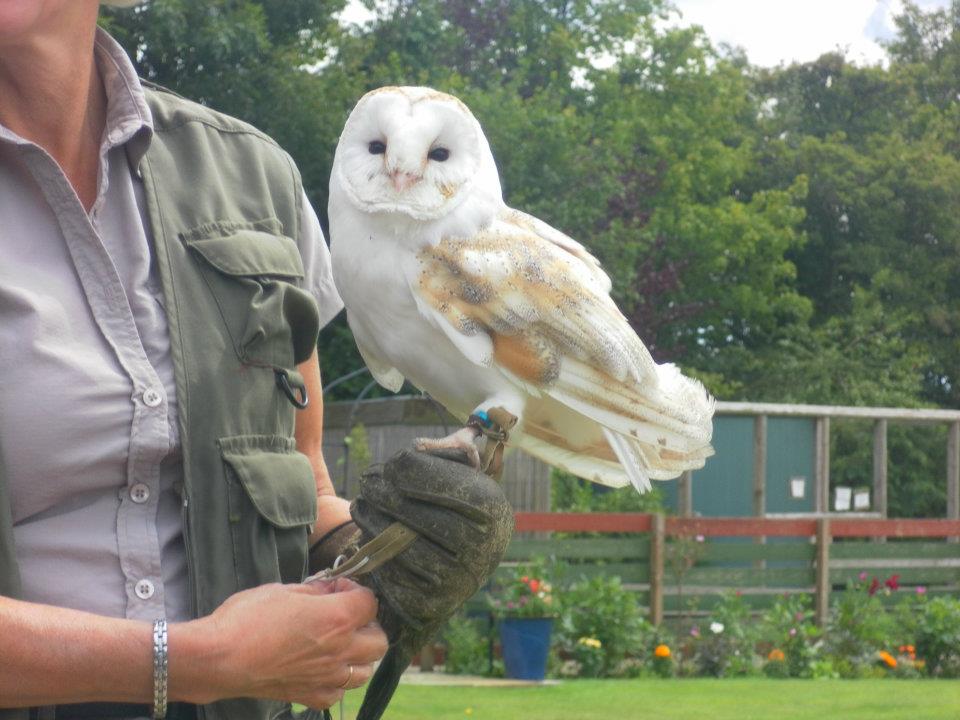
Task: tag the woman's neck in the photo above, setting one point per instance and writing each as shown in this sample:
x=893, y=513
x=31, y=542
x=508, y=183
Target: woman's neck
x=53, y=96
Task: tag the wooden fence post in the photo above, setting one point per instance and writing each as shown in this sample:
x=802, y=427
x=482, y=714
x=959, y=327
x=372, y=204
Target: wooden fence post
x=953, y=474
x=880, y=471
x=760, y=465
x=685, y=494
x=760, y=476
x=822, y=482
x=823, y=571
x=880, y=467
x=657, y=537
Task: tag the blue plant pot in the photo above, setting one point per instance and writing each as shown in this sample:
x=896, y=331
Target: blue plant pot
x=525, y=643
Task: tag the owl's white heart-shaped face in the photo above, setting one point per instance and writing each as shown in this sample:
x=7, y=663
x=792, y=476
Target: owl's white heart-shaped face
x=409, y=150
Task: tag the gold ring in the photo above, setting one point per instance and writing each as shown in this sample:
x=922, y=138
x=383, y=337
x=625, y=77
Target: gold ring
x=346, y=682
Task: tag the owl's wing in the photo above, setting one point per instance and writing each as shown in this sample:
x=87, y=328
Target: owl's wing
x=546, y=232
x=538, y=309
x=383, y=372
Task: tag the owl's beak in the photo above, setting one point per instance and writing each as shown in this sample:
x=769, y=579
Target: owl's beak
x=403, y=180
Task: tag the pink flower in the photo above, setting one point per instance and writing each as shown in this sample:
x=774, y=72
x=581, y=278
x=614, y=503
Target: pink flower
x=695, y=631
x=862, y=575
x=893, y=582
x=510, y=605
x=921, y=590
x=699, y=538
x=798, y=617
x=793, y=632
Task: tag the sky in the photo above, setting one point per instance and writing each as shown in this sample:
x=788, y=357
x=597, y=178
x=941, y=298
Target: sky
x=784, y=31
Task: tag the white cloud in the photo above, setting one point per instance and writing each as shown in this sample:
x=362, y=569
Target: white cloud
x=775, y=31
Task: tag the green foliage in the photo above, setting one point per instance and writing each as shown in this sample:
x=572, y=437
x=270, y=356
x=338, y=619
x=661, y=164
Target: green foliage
x=859, y=628
x=571, y=494
x=467, y=647
x=724, y=644
x=601, y=626
x=788, y=626
x=681, y=554
x=359, y=447
x=938, y=635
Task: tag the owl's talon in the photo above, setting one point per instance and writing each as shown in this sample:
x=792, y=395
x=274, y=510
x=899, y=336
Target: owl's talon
x=459, y=444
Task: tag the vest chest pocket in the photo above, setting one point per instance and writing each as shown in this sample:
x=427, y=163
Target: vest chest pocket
x=272, y=505
x=252, y=270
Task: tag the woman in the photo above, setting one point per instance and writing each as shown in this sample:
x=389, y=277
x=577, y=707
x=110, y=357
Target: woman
x=161, y=285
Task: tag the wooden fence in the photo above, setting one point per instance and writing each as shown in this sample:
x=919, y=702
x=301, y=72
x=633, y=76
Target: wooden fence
x=393, y=423
x=672, y=561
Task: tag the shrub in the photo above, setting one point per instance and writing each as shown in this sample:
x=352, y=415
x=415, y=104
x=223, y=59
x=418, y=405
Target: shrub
x=467, y=647
x=860, y=628
x=788, y=626
x=601, y=626
x=938, y=636
x=725, y=645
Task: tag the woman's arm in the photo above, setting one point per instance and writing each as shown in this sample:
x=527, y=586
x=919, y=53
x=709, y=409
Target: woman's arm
x=285, y=642
x=331, y=510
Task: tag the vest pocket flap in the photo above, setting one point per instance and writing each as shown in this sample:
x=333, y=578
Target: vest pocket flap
x=250, y=253
x=279, y=481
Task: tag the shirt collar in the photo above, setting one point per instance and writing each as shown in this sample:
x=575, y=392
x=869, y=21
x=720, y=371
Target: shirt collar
x=128, y=114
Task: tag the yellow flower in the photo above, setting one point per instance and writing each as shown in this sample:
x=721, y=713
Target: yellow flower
x=468, y=711
x=590, y=642
x=662, y=651
x=776, y=655
x=888, y=659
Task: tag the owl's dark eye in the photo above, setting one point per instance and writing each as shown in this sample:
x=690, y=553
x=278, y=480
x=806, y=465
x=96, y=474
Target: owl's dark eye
x=377, y=148
x=440, y=154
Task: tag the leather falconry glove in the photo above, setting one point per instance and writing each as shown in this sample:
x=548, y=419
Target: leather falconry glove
x=462, y=523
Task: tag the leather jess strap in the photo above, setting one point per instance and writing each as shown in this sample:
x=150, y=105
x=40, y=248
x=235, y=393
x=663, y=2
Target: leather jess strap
x=387, y=545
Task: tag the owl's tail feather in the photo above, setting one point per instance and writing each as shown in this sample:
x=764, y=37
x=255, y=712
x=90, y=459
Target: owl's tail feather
x=653, y=430
x=669, y=411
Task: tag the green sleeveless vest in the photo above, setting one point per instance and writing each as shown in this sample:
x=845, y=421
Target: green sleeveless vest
x=224, y=202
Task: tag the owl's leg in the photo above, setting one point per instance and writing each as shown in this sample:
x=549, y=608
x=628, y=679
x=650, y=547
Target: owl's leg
x=463, y=441
x=494, y=425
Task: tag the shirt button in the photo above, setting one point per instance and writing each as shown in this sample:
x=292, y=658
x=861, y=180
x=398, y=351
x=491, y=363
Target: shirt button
x=152, y=398
x=139, y=493
x=144, y=589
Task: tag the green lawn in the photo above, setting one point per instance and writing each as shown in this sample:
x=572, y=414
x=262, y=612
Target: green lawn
x=755, y=699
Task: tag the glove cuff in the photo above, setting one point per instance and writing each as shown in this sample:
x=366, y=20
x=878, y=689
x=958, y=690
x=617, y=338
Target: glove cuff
x=344, y=539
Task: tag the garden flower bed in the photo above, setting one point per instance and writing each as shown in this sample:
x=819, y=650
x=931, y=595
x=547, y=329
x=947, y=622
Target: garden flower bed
x=875, y=629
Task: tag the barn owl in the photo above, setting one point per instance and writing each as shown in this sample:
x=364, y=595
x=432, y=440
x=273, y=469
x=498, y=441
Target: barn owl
x=483, y=306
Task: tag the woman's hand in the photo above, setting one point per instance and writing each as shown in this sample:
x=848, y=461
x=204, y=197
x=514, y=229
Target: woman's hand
x=295, y=643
